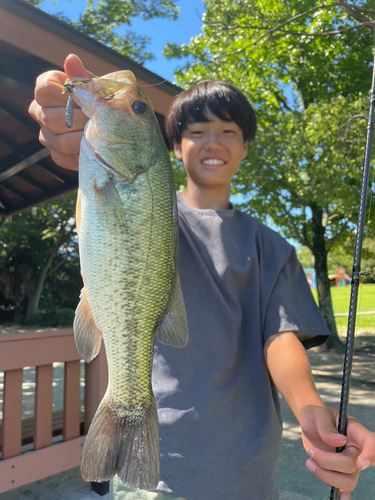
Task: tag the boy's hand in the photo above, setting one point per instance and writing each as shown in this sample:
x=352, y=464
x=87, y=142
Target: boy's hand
x=321, y=438
x=48, y=109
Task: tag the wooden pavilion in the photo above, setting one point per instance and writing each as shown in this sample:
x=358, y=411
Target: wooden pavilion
x=32, y=42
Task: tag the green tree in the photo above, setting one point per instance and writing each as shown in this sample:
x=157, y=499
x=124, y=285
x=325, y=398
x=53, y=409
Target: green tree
x=109, y=22
x=307, y=70
x=32, y=244
x=305, y=257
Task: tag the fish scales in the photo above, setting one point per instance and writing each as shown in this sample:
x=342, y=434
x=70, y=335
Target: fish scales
x=127, y=224
x=134, y=258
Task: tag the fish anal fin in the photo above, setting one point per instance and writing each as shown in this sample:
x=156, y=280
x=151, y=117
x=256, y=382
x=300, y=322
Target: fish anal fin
x=173, y=330
x=86, y=334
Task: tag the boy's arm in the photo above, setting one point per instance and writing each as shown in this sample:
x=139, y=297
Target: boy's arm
x=290, y=371
x=289, y=368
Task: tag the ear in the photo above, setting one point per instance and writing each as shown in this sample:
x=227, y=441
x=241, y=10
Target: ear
x=177, y=150
x=245, y=149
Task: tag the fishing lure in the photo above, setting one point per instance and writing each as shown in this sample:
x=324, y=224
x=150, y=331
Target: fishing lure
x=69, y=112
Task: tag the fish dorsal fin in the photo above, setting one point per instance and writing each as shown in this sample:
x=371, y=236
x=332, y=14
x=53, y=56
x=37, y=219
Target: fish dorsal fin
x=173, y=330
x=86, y=334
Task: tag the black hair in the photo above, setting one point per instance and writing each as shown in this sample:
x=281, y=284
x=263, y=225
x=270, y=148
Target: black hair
x=223, y=99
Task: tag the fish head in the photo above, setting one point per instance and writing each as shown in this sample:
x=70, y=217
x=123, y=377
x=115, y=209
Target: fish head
x=122, y=128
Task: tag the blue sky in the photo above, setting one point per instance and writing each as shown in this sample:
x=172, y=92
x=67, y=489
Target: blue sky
x=160, y=31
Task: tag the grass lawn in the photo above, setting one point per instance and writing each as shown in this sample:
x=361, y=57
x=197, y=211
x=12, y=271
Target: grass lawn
x=366, y=302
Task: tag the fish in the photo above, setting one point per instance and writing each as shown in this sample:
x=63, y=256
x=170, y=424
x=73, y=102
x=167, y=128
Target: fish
x=128, y=231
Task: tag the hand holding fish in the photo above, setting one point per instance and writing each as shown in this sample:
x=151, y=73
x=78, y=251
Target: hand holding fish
x=48, y=109
x=320, y=439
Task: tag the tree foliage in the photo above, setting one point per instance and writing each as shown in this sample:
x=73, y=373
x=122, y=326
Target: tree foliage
x=109, y=22
x=306, y=67
x=34, y=243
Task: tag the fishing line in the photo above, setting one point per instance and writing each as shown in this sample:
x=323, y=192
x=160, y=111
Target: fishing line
x=156, y=84
x=165, y=79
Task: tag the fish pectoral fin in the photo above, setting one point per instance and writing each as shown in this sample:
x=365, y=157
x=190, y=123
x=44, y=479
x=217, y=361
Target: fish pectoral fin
x=87, y=335
x=109, y=206
x=173, y=330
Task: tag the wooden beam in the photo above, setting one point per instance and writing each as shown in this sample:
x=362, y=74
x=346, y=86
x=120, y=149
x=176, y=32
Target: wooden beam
x=26, y=121
x=16, y=84
x=32, y=181
x=8, y=141
x=13, y=190
x=48, y=195
x=51, y=171
x=35, y=349
x=25, y=156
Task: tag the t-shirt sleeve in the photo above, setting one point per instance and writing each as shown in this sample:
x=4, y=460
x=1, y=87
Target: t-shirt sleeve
x=290, y=306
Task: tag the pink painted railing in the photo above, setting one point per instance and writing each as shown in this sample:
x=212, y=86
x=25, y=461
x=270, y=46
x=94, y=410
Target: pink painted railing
x=41, y=350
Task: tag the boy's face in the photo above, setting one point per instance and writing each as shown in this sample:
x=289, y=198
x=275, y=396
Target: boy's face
x=211, y=151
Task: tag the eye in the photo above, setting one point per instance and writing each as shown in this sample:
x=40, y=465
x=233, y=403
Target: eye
x=139, y=107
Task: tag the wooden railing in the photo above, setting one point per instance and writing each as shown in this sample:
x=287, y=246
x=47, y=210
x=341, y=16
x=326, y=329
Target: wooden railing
x=41, y=350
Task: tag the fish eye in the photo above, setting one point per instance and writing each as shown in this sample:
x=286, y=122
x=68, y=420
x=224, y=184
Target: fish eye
x=139, y=107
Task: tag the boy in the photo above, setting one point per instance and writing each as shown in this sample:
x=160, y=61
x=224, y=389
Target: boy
x=249, y=311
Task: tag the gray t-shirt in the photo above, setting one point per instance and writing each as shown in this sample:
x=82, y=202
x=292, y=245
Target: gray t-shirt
x=220, y=425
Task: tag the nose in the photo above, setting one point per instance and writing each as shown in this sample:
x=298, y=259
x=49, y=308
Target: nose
x=213, y=141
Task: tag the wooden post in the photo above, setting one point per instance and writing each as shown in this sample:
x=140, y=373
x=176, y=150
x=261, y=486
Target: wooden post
x=12, y=414
x=43, y=406
x=71, y=400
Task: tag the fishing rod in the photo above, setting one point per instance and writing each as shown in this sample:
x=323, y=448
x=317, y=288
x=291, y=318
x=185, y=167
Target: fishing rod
x=349, y=348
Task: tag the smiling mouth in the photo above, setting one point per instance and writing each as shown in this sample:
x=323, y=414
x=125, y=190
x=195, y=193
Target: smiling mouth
x=213, y=162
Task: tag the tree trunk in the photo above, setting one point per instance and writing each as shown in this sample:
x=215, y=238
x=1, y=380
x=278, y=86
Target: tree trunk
x=36, y=291
x=322, y=280
x=17, y=296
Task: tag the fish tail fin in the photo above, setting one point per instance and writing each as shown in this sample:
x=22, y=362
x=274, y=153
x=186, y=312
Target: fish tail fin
x=127, y=445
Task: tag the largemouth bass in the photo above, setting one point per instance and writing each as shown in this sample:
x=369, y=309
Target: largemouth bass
x=127, y=226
